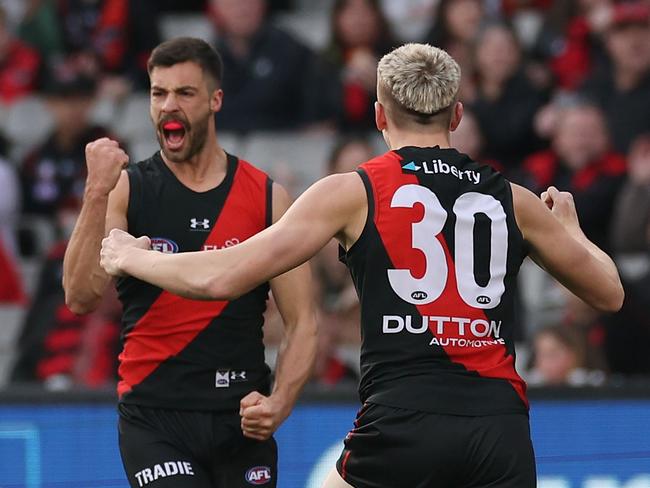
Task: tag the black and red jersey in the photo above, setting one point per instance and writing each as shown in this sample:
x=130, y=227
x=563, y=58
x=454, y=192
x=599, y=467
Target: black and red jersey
x=435, y=269
x=189, y=354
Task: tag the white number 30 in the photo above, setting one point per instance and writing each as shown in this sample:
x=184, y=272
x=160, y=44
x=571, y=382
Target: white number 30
x=427, y=289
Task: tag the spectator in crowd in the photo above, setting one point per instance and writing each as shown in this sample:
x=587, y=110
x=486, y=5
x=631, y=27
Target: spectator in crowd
x=56, y=347
x=468, y=139
x=511, y=7
x=560, y=358
x=268, y=75
x=505, y=100
x=630, y=232
x=570, y=40
x=336, y=295
x=56, y=170
x=628, y=332
x=359, y=37
x=455, y=28
x=111, y=39
x=38, y=26
x=9, y=199
x=410, y=20
x=581, y=161
x=19, y=65
x=623, y=90
x=11, y=289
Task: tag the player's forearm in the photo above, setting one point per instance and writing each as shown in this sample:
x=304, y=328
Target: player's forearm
x=295, y=361
x=613, y=293
x=190, y=275
x=84, y=281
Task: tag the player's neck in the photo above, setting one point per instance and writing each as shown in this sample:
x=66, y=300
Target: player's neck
x=398, y=139
x=203, y=171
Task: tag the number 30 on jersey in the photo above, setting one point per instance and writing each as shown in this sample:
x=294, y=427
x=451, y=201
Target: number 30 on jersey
x=429, y=287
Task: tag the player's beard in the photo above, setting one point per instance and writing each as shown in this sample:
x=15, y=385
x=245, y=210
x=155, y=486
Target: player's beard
x=196, y=134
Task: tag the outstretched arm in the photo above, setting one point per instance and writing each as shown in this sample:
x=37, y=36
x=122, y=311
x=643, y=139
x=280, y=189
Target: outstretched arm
x=551, y=226
x=335, y=206
x=262, y=415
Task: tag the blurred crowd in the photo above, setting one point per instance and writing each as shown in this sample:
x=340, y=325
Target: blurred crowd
x=555, y=93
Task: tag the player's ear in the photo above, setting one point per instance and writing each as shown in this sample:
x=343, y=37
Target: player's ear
x=380, y=117
x=216, y=99
x=456, y=116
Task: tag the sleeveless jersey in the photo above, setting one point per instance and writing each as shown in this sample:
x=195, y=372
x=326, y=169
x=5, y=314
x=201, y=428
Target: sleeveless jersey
x=189, y=354
x=435, y=269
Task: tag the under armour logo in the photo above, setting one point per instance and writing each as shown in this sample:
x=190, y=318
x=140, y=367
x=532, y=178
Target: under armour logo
x=238, y=375
x=203, y=224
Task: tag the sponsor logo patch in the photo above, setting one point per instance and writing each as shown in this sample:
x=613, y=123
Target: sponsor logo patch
x=163, y=470
x=259, y=475
x=438, y=166
x=228, y=243
x=199, y=224
x=166, y=246
x=224, y=377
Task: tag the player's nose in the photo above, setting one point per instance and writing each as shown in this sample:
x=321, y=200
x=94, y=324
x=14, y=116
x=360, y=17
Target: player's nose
x=170, y=103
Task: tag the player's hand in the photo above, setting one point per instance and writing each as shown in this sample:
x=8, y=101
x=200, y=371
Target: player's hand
x=261, y=415
x=104, y=160
x=562, y=207
x=114, y=248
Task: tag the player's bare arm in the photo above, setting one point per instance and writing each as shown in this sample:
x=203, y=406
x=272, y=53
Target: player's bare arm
x=261, y=415
x=335, y=206
x=550, y=224
x=104, y=207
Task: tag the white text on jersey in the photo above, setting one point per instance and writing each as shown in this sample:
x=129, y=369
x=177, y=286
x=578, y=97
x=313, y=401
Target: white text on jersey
x=442, y=326
x=438, y=166
x=162, y=470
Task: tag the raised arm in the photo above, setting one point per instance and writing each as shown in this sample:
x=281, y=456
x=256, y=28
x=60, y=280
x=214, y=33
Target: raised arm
x=104, y=207
x=333, y=207
x=293, y=293
x=551, y=226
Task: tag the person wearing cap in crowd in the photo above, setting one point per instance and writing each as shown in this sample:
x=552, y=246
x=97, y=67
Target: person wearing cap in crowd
x=56, y=169
x=623, y=90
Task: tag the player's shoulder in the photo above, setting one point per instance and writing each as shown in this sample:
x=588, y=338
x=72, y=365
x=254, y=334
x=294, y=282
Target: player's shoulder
x=340, y=188
x=152, y=163
x=389, y=157
x=521, y=195
x=527, y=207
x=249, y=170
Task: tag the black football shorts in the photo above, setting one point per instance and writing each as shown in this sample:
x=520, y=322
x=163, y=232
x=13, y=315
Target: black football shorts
x=192, y=449
x=397, y=448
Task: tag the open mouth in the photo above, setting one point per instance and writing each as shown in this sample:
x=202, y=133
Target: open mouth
x=174, y=133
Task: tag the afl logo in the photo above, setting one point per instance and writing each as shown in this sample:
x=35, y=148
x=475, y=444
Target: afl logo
x=483, y=300
x=166, y=246
x=419, y=295
x=259, y=475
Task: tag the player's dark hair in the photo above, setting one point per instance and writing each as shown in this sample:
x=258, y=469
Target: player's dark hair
x=183, y=49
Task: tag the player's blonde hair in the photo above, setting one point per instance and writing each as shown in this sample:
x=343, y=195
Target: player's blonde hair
x=420, y=78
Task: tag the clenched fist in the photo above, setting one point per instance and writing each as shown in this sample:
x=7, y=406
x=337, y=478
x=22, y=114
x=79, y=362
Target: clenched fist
x=562, y=207
x=115, y=246
x=105, y=160
x=261, y=415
